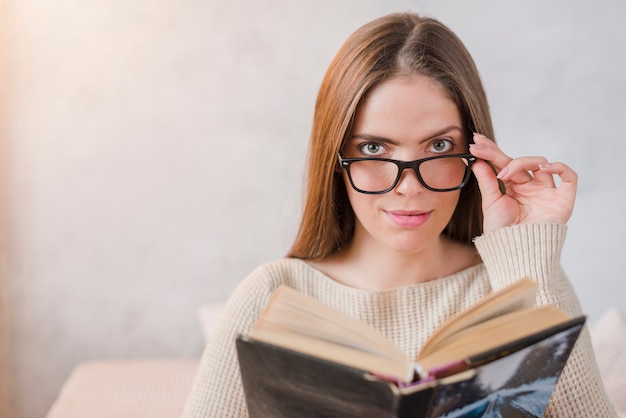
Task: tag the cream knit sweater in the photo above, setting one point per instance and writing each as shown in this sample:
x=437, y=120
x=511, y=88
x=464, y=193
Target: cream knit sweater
x=408, y=315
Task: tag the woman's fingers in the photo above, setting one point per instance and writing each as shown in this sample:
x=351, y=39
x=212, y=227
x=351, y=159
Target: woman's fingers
x=486, y=149
x=518, y=170
x=536, y=190
x=525, y=169
x=568, y=177
x=487, y=182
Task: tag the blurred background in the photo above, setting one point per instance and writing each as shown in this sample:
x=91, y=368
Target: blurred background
x=152, y=154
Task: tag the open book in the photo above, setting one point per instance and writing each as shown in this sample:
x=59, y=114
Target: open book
x=301, y=344
x=301, y=323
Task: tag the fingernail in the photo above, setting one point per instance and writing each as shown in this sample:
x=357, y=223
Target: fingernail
x=477, y=146
x=544, y=165
x=481, y=139
x=503, y=172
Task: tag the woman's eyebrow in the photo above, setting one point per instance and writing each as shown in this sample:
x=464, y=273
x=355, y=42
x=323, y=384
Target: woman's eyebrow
x=382, y=139
x=443, y=131
x=374, y=138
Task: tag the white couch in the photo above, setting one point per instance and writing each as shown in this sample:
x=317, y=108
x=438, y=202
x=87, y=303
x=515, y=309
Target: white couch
x=159, y=388
x=126, y=389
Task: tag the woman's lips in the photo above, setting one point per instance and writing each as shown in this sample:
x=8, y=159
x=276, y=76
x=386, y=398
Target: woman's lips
x=408, y=219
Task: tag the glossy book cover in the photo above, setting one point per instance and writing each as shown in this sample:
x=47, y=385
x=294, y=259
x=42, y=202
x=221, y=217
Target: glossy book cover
x=517, y=385
x=515, y=380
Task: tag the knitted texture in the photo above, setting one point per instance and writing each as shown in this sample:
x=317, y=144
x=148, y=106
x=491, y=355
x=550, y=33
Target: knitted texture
x=408, y=316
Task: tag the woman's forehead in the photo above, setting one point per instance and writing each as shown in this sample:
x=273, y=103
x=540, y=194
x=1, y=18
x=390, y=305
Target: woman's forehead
x=406, y=104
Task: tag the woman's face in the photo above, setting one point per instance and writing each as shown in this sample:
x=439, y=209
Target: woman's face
x=404, y=118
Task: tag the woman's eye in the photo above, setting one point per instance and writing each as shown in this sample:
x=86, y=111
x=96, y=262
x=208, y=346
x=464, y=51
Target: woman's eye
x=371, y=148
x=442, y=145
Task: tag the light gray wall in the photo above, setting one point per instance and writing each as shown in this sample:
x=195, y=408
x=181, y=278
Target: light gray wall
x=156, y=154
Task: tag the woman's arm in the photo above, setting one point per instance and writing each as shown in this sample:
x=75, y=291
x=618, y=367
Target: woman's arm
x=534, y=250
x=524, y=235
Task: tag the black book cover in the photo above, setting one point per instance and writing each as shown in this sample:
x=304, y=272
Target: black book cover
x=515, y=381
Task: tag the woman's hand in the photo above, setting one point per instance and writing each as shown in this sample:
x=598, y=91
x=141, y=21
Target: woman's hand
x=531, y=192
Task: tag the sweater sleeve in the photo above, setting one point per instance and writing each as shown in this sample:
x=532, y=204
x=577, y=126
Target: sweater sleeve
x=534, y=251
x=217, y=390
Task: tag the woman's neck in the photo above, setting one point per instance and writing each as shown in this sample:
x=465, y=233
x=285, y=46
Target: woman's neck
x=374, y=268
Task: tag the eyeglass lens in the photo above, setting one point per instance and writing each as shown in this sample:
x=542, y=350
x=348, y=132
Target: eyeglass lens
x=440, y=173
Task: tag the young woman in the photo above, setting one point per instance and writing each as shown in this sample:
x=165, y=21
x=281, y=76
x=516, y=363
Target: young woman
x=406, y=242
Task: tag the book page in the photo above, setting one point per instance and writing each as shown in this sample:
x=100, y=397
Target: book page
x=517, y=296
x=494, y=333
x=302, y=323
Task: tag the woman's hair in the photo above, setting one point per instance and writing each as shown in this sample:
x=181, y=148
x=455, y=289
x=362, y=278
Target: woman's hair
x=402, y=44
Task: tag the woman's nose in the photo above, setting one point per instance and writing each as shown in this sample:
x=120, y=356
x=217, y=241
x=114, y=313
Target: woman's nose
x=409, y=183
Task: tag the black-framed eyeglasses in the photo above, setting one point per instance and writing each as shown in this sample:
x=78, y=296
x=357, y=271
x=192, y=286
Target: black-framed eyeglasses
x=441, y=173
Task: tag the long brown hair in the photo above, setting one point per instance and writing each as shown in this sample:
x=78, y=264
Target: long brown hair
x=394, y=45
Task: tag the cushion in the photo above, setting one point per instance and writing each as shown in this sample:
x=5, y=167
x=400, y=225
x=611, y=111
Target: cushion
x=155, y=388
x=608, y=336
